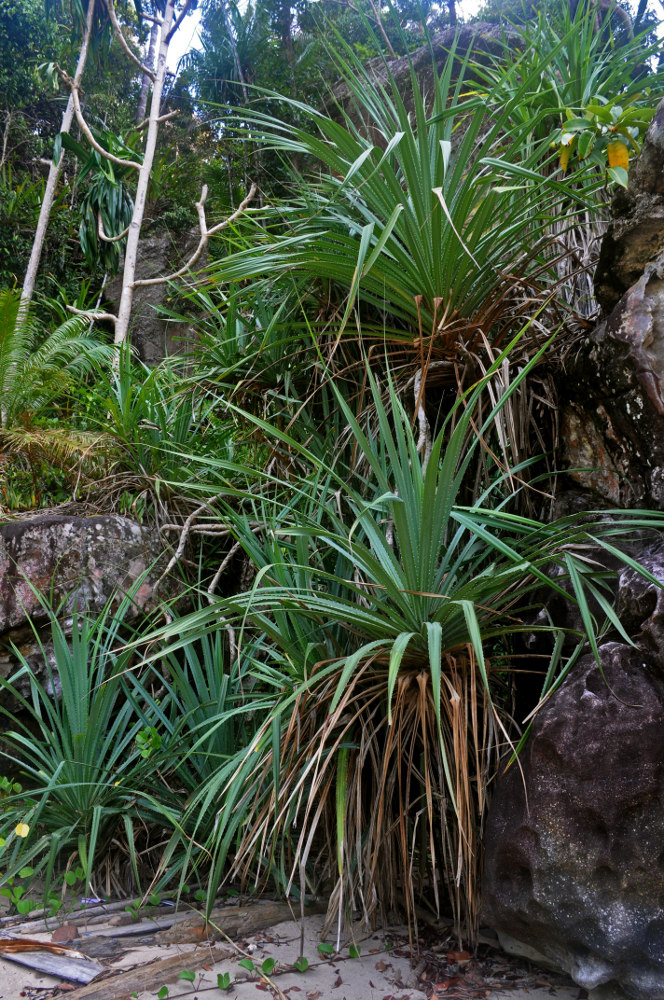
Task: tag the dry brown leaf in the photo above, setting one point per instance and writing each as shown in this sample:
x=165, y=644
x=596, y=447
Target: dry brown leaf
x=16, y=945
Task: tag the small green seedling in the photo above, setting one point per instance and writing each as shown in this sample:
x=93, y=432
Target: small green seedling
x=302, y=964
x=9, y=787
x=188, y=975
x=163, y=993
x=223, y=980
x=73, y=876
x=148, y=740
x=354, y=952
x=267, y=968
x=247, y=964
x=325, y=948
x=135, y=908
x=15, y=893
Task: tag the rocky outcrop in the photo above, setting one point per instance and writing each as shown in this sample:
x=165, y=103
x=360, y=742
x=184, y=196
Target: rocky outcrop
x=612, y=414
x=574, y=864
x=151, y=334
x=612, y=394
x=575, y=842
x=72, y=562
x=635, y=236
x=484, y=40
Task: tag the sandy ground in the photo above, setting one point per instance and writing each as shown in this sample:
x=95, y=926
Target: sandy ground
x=382, y=971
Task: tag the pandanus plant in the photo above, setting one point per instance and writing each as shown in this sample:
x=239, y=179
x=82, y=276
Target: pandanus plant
x=386, y=610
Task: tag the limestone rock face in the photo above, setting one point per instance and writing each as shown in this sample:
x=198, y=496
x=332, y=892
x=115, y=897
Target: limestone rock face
x=612, y=395
x=612, y=419
x=574, y=867
x=635, y=237
x=160, y=254
x=640, y=604
x=76, y=562
x=484, y=40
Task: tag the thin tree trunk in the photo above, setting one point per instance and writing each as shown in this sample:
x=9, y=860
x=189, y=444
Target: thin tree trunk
x=54, y=174
x=131, y=251
x=145, y=85
x=5, y=137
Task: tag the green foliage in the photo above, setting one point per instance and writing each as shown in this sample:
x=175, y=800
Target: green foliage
x=198, y=725
x=148, y=740
x=78, y=752
x=25, y=37
x=416, y=227
x=14, y=891
x=158, y=428
x=20, y=201
x=603, y=134
x=576, y=73
x=389, y=609
x=249, y=342
x=106, y=199
x=9, y=787
x=36, y=370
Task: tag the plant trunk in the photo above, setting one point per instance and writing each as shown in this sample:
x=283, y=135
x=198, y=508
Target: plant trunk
x=145, y=85
x=54, y=174
x=131, y=252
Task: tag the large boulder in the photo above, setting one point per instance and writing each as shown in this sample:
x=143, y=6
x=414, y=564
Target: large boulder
x=73, y=562
x=574, y=864
x=574, y=868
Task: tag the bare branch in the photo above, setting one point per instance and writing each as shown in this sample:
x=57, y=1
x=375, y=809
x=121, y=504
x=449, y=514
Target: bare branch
x=222, y=566
x=152, y=19
x=110, y=6
x=185, y=529
x=109, y=239
x=178, y=21
x=170, y=114
x=92, y=314
x=231, y=218
x=85, y=128
x=205, y=235
x=162, y=118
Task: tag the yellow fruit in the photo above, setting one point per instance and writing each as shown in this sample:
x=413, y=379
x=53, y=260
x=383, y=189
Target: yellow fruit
x=618, y=154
